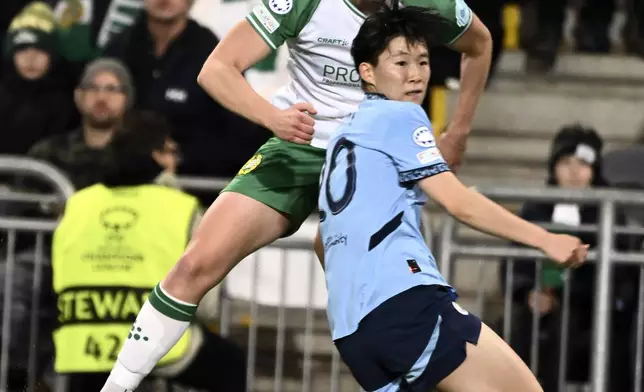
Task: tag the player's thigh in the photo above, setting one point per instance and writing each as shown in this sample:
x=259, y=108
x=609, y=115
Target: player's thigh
x=284, y=176
x=269, y=198
x=234, y=226
x=490, y=366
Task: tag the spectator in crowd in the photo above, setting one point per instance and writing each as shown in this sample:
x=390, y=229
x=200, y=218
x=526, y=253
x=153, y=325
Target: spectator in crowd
x=543, y=24
x=165, y=51
x=8, y=10
x=35, y=101
x=116, y=240
x=104, y=94
x=86, y=26
x=575, y=162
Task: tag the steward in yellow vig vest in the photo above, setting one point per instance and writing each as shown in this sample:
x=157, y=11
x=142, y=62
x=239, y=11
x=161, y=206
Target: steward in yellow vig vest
x=110, y=250
x=115, y=242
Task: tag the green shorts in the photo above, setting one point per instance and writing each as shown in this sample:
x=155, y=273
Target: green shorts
x=284, y=176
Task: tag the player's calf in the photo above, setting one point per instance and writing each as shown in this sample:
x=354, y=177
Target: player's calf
x=160, y=324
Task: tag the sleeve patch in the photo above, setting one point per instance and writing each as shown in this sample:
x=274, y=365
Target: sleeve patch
x=264, y=17
x=424, y=137
x=463, y=13
x=281, y=7
x=430, y=155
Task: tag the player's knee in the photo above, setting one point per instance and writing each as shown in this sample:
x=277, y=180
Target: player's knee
x=202, y=266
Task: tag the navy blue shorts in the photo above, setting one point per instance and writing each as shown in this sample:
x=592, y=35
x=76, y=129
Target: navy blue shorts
x=410, y=342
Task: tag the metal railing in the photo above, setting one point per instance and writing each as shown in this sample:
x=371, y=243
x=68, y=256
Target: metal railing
x=64, y=189
x=605, y=256
x=308, y=318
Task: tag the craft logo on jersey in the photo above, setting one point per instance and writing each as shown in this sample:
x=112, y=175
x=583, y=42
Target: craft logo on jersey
x=280, y=7
x=251, y=164
x=423, y=137
x=333, y=41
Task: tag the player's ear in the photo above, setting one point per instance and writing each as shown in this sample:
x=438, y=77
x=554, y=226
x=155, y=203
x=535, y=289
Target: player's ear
x=366, y=73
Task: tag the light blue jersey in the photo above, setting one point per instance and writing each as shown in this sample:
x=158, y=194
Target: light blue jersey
x=370, y=209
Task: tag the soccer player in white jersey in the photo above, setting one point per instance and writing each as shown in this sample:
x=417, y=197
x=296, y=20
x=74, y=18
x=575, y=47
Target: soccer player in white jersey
x=392, y=315
x=276, y=190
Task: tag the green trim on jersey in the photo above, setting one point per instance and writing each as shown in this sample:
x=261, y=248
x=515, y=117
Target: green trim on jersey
x=458, y=15
x=278, y=20
x=354, y=9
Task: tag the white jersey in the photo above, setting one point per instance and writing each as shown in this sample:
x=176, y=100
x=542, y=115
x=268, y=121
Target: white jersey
x=319, y=34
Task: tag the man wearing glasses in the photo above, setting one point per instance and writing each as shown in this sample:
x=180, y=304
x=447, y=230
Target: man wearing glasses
x=102, y=98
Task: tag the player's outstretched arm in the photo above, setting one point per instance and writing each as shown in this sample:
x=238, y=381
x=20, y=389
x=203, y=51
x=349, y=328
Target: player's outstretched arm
x=222, y=74
x=474, y=209
x=476, y=46
x=222, y=78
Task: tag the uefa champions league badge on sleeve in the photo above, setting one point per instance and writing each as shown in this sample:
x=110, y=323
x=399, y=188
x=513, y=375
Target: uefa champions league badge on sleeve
x=423, y=137
x=280, y=7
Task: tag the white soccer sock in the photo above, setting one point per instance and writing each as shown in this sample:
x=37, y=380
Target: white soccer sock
x=158, y=327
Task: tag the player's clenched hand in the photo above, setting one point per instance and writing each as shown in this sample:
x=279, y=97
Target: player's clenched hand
x=565, y=250
x=452, y=147
x=294, y=124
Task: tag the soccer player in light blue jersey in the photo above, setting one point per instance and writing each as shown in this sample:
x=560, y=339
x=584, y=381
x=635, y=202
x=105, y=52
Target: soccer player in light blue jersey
x=393, y=317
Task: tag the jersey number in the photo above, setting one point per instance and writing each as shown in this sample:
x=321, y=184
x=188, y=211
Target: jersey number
x=93, y=348
x=337, y=206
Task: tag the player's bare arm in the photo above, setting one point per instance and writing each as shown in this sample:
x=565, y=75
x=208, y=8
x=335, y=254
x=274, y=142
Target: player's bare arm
x=476, y=46
x=222, y=78
x=474, y=209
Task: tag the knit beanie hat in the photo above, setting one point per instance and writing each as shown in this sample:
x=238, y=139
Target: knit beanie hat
x=34, y=27
x=583, y=143
x=115, y=67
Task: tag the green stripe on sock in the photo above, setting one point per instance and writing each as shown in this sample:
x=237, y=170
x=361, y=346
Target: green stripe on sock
x=170, y=307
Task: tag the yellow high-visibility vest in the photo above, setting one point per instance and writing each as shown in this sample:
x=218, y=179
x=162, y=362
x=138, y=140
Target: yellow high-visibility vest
x=109, y=251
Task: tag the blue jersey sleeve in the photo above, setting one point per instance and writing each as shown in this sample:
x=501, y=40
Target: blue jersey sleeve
x=409, y=141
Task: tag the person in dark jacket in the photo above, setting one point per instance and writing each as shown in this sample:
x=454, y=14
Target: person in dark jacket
x=103, y=96
x=8, y=10
x=165, y=51
x=575, y=162
x=35, y=99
